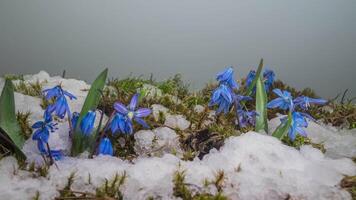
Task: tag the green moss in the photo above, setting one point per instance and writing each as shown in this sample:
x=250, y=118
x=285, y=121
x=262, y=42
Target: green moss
x=111, y=188
x=349, y=183
x=23, y=120
x=31, y=89
x=37, y=196
x=13, y=77
x=181, y=189
x=66, y=191
x=300, y=141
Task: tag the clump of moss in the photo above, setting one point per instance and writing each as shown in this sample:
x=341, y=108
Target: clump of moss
x=300, y=141
x=349, y=183
x=66, y=191
x=31, y=89
x=23, y=120
x=181, y=190
x=174, y=86
x=111, y=189
x=13, y=77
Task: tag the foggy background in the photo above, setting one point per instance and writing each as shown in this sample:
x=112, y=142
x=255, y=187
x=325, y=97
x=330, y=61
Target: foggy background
x=307, y=43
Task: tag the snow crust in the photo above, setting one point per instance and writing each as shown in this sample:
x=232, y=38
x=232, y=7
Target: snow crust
x=338, y=143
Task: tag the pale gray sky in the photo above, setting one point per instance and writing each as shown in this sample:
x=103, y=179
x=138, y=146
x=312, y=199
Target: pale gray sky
x=307, y=43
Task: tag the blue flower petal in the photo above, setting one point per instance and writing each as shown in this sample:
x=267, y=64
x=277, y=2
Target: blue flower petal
x=120, y=108
x=105, y=147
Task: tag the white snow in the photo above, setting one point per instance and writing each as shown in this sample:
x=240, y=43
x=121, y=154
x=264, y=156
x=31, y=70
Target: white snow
x=268, y=170
x=157, y=142
x=338, y=143
x=177, y=122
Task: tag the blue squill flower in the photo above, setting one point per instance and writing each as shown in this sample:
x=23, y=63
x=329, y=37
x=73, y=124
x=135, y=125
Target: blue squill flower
x=43, y=128
x=105, y=147
x=222, y=96
x=74, y=120
x=56, y=154
x=122, y=124
x=60, y=106
x=132, y=113
x=268, y=77
x=239, y=98
x=87, y=124
x=298, y=123
x=284, y=101
x=246, y=118
x=227, y=77
x=304, y=102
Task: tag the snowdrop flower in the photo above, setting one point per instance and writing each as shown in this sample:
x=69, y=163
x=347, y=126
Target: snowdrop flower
x=304, y=102
x=132, y=113
x=60, y=106
x=246, y=118
x=121, y=123
x=87, y=124
x=227, y=77
x=222, y=96
x=298, y=123
x=105, y=147
x=284, y=101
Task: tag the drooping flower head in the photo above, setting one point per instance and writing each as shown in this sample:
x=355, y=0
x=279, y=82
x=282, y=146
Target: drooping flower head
x=227, y=77
x=239, y=98
x=74, y=120
x=131, y=113
x=105, y=147
x=60, y=106
x=122, y=124
x=43, y=128
x=222, y=96
x=246, y=117
x=56, y=154
x=304, y=102
x=298, y=123
x=284, y=101
x=268, y=77
x=87, y=124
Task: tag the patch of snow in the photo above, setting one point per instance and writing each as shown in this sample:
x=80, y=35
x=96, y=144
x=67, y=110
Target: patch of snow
x=268, y=170
x=338, y=143
x=157, y=142
x=177, y=122
x=156, y=109
x=199, y=108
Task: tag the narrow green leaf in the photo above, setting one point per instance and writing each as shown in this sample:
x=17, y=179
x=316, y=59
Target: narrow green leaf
x=261, y=106
x=6, y=142
x=253, y=84
x=282, y=129
x=81, y=143
x=10, y=128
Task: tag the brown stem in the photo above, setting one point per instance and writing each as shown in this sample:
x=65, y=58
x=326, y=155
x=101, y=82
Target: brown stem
x=51, y=161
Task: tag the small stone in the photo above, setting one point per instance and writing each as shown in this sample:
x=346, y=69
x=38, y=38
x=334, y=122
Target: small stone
x=177, y=122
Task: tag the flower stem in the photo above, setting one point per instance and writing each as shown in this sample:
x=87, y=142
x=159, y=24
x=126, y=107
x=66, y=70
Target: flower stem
x=51, y=161
x=102, y=133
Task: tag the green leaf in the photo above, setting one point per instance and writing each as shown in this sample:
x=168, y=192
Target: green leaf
x=80, y=142
x=6, y=142
x=261, y=106
x=253, y=84
x=8, y=122
x=282, y=129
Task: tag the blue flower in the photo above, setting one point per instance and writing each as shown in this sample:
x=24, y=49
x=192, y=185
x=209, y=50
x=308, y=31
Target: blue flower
x=298, y=123
x=43, y=128
x=60, y=106
x=87, y=124
x=121, y=123
x=246, y=118
x=239, y=98
x=227, y=77
x=284, y=101
x=105, y=147
x=304, y=102
x=56, y=154
x=132, y=113
x=74, y=120
x=268, y=77
x=222, y=96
